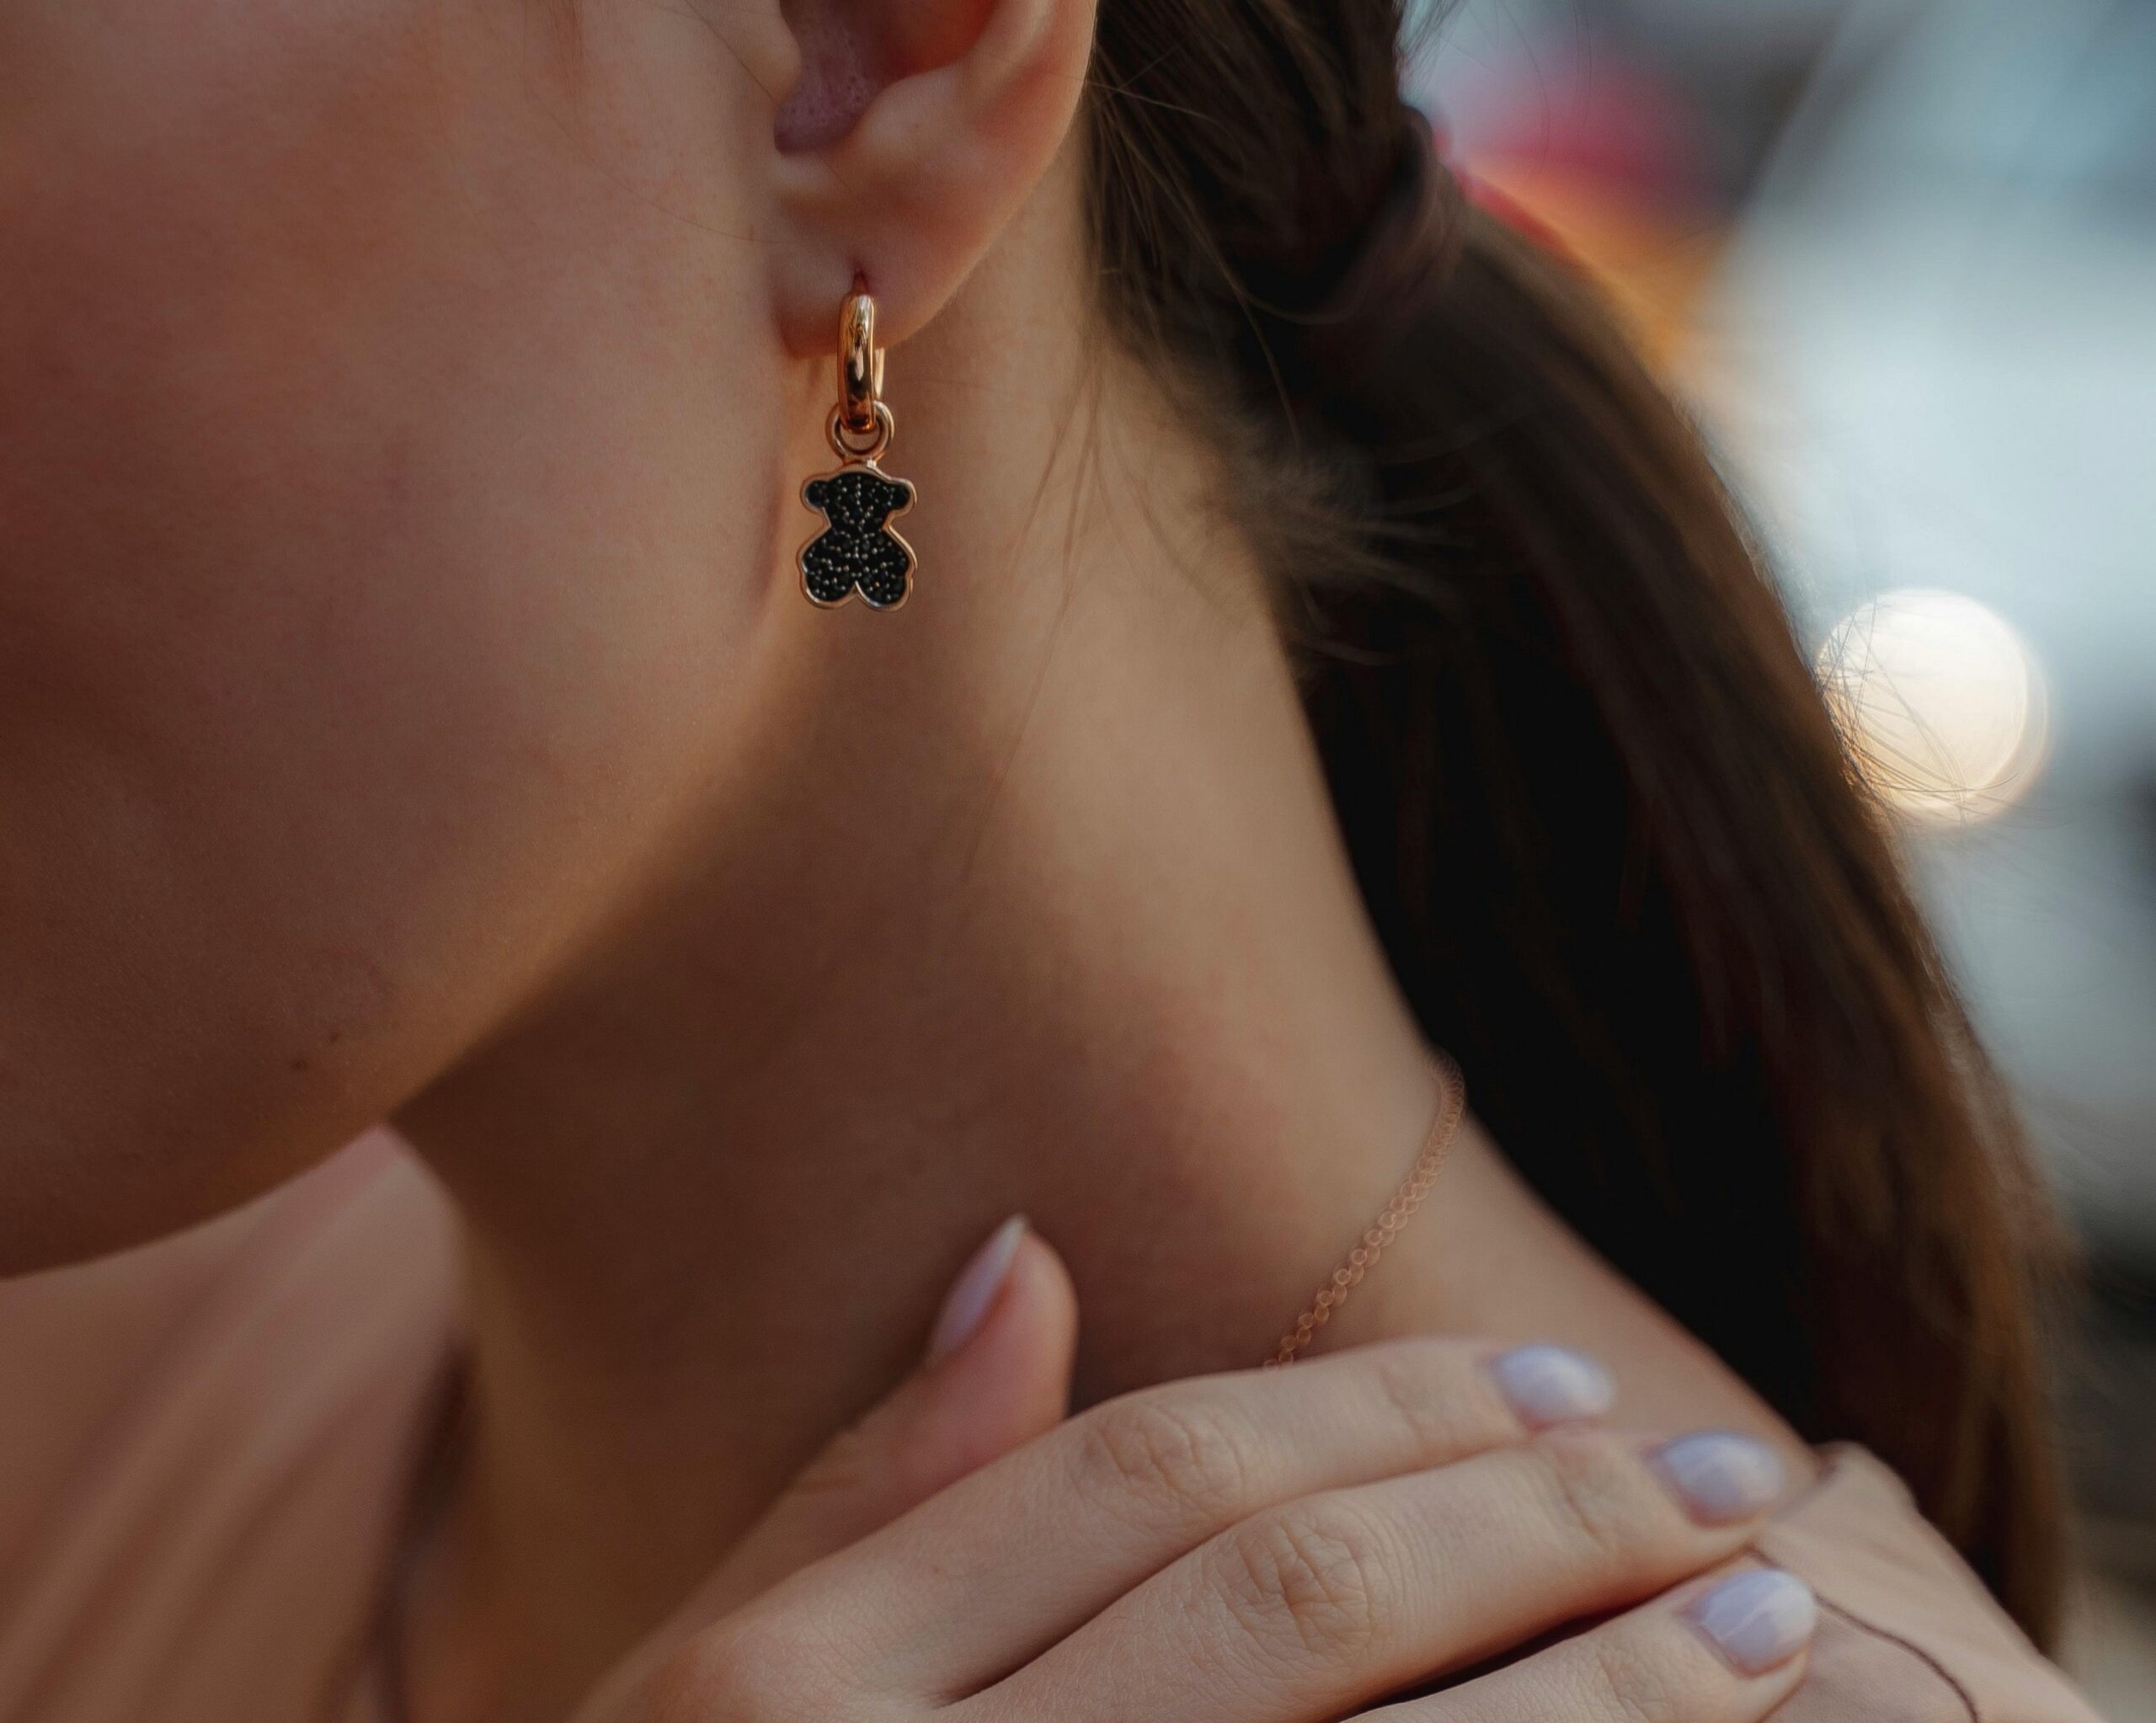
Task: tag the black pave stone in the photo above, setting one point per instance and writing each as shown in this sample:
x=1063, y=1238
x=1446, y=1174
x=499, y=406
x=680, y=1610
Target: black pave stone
x=857, y=551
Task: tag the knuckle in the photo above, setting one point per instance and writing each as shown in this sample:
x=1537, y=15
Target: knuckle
x=1183, y=1460
x=1596, y=1491
x=1314, y=1579
x=1635, y=1687
x=1436, y=1390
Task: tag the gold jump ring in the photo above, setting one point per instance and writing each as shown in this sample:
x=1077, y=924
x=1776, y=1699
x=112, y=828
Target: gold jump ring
x=878, y=431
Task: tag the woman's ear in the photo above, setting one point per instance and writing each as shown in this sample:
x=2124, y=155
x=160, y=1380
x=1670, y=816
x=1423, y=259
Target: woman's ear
x=914, y=130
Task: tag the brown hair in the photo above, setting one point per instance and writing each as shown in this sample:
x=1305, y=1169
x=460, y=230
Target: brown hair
x=1600, y=817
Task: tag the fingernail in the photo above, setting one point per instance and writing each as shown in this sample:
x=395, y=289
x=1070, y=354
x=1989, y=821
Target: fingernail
x=972, y=1293
x=1757, y=1620
x=1720, y=1476
x=1549, y=1385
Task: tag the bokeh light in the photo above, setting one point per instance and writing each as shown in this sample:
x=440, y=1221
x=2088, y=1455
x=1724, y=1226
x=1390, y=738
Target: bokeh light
x=1942, y=705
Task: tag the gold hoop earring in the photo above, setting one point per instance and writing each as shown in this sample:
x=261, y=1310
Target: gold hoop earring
x=855, y=549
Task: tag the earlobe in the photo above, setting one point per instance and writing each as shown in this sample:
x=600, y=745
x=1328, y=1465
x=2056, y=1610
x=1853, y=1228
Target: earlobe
x=913, y=134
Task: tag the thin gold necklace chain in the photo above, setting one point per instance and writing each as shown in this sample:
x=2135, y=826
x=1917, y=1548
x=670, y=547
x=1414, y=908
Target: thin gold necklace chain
x=1395, y=1215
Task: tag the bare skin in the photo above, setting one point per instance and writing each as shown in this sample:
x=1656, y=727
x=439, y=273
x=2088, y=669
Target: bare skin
x=410, y=712
x=1089, y=952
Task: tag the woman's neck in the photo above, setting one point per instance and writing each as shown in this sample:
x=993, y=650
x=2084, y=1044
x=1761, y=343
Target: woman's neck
x=1029, y=901
x=1110, y=973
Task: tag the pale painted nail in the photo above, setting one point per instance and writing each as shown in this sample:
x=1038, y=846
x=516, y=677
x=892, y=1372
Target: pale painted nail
x=1757, y=1620
x=1549, y=1385
x=1720, y=1476
x=972, y=1293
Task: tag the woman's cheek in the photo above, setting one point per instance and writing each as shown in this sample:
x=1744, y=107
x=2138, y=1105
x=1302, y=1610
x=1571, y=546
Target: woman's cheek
x=370, y=584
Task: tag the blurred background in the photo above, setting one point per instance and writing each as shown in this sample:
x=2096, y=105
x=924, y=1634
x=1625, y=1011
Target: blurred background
x=1900, y=255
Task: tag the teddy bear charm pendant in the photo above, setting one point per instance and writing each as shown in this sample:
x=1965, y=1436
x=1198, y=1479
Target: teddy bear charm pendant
x=857, y=551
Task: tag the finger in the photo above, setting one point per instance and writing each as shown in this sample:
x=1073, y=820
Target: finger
x=997, y=1374
x=1335, y=1600
x=964, y=1590
x=1727, y=1652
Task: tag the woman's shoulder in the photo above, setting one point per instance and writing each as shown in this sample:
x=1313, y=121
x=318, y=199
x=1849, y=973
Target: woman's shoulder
x=221, y=1431
x=1908, y=1633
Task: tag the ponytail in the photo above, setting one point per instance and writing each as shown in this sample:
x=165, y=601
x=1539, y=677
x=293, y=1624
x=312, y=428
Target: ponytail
x=1600, y=816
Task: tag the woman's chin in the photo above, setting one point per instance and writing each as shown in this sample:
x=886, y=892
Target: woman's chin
x=77, y=1199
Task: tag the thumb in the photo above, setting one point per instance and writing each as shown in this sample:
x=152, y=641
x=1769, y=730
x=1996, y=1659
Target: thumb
x=996, y=1375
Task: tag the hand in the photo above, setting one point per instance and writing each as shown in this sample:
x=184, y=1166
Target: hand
x=1268, y=1547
